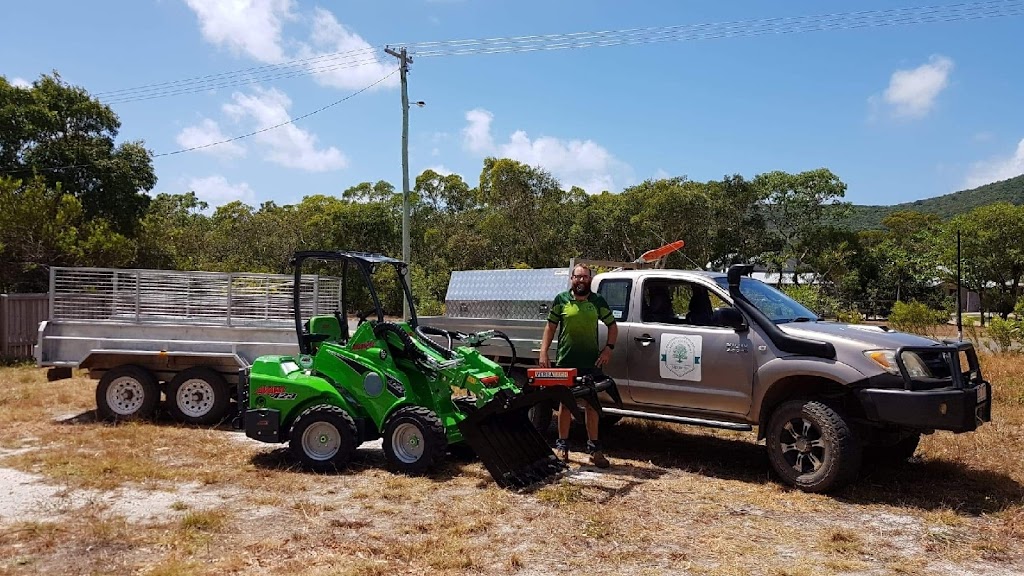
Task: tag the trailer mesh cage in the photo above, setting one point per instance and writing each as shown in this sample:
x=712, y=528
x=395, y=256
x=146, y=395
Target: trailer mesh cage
x=201, y=298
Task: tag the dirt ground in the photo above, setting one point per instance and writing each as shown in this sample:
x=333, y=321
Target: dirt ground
x=82, y=497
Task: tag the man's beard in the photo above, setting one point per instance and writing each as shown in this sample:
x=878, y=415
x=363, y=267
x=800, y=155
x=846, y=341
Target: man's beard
x=581, y=290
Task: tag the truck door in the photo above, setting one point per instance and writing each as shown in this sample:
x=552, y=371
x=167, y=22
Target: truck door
x=616, y=291
x=677, y=354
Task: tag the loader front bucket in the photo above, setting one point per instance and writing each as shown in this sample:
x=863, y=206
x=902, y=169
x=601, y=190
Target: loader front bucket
x=510, y=447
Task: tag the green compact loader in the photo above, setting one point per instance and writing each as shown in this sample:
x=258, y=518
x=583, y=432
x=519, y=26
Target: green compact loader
x=390, y=380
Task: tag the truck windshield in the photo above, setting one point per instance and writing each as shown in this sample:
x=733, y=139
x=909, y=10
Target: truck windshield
x=773, y=303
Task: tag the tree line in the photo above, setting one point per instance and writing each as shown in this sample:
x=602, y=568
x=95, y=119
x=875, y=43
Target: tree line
x=71, y=196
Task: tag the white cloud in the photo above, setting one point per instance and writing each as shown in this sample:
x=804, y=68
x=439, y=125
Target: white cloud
x=476, y=136
x=342, y=58
x=439, y=168
x=217, y=191
x=208, y=132
x=251, y=27
x=912, y=93
x=21, y=83
x=287, y=145
x=582, y=163
x=996, y=169
x=661, y=174
x=335, y=55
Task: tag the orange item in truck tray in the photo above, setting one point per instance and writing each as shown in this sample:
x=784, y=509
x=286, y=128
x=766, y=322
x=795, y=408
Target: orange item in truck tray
x=652, y=255
x=551, y=376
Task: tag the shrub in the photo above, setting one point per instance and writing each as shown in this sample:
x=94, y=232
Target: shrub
x=916, y=317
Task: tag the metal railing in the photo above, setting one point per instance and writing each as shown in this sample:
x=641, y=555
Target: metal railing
x=199, y=298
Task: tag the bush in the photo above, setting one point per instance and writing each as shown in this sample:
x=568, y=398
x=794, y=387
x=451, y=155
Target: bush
x=1003, y=333
x=916, y=317
x=813, y=298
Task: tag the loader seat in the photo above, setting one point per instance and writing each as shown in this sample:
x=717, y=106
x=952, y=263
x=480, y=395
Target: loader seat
x=327, y=326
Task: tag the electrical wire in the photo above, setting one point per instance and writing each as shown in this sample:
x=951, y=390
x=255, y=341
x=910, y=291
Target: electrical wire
x=208, y=145
x=745, y=28
x=325, y=63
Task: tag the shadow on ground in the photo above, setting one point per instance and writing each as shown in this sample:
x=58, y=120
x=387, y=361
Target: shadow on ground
x=920, y=483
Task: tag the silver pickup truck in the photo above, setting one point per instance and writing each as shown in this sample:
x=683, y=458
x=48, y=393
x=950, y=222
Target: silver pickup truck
x=728, y=351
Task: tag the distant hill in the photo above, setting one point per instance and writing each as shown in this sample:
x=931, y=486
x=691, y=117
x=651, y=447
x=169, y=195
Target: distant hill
x=1012, y=190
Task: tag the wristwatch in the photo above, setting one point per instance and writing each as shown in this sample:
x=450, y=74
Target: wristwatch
x=610, y=346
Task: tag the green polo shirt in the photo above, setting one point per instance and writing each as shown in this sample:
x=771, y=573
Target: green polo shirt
x=577, y=328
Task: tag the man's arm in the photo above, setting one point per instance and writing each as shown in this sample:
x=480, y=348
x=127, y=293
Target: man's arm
x=554, y=317
x=545, y=343
x=606, y=353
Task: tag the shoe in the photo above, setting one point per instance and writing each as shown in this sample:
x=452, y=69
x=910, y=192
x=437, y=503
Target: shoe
x=562, y=449
x=597, y=455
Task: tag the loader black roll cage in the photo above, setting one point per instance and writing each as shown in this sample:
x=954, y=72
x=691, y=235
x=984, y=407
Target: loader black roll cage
x=366, y=263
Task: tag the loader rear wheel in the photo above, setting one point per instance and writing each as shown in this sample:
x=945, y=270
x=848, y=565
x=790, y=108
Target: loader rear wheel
x=324, y=438
x=198, y=396
x=414, y=440
x=127, y=393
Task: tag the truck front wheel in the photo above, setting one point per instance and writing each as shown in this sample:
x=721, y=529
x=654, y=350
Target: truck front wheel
x=811, y=446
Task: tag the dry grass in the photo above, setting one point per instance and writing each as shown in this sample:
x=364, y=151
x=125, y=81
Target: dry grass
x=677, y=500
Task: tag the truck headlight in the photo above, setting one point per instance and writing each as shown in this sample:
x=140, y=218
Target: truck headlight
x=887, y=360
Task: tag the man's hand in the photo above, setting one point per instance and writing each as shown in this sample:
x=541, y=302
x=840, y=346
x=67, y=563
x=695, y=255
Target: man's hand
x=604, y=358
x=545, y=362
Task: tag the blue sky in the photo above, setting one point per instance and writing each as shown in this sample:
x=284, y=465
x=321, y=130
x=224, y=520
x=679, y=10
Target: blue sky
x=899, y=112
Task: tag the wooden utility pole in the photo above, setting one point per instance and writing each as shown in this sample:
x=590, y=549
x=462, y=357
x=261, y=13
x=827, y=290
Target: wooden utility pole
x=404, y=61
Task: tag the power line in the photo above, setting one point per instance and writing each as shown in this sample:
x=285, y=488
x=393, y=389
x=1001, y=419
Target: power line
x=238, y=82
x=743, y=28
x=233, y=139
x=324, y=63
x=292, y=121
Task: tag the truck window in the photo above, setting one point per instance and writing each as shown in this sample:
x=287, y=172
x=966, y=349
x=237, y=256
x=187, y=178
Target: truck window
x=616, y=293
x=668, y=301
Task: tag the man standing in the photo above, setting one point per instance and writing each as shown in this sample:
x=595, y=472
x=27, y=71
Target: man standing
x=576, y=313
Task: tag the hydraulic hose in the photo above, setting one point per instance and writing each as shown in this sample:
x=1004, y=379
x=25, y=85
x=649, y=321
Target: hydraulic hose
x=503, y=336
x=423, y=331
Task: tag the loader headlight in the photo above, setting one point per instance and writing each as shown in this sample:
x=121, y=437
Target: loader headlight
x=887, y=360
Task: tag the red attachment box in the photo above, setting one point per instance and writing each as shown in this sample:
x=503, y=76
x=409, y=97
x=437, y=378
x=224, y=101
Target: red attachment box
x=551, y=376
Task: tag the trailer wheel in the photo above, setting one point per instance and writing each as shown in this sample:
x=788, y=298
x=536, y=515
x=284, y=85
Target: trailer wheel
x=811, y=446
x=414, y=440
x=127, y=393
x=324, y=438
x=198, y=396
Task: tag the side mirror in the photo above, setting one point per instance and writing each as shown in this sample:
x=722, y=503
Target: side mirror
x=730, y=318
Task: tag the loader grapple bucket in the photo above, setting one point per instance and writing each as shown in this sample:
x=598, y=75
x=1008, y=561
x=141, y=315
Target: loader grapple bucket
x=504, y=439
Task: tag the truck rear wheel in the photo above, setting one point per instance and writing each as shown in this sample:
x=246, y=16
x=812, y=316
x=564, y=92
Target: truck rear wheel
x=127, y=393
x=324, y=438
x=198, y=396
x=811, y=446
x=414, y=440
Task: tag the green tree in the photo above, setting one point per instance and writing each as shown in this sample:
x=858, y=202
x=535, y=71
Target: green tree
x=67, y=137
x=797, y=208
x=41, y=227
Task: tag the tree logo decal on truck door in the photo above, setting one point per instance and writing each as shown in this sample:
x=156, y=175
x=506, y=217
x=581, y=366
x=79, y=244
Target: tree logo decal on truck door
x=680, y=357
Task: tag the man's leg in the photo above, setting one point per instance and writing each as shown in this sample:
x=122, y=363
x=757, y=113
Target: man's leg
x=597, y=457
x=564, y=421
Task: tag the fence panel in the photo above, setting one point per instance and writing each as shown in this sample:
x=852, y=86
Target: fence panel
x=20, y=315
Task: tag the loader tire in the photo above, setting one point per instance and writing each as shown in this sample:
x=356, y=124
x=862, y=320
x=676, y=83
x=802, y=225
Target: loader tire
x=324, y=438
x=198, y=396
x=127, y=393
x=811, y=446
x=414, y=440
